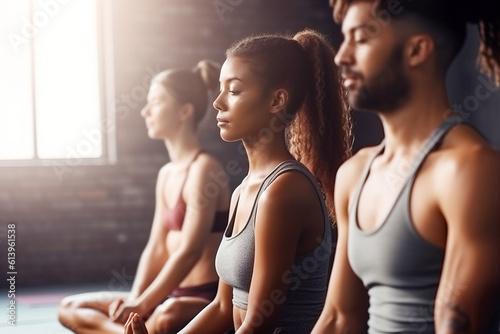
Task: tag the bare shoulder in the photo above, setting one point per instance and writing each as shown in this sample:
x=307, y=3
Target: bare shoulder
x=163, y=175
x=291, y=189
x=465, y=155
x=165, y=169
x=466, y=178
x=207, y=172
x=349, y=172
x=206, y=163
x=208, y=178
x=291, y=203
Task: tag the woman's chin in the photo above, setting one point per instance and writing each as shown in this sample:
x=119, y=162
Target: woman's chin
x=227, y=137
x=153, y=135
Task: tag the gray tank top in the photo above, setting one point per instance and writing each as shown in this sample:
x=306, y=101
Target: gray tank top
x=307, y=279
x=400, y=269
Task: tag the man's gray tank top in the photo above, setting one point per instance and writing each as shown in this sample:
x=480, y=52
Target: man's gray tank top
x=400, y=269
x=307, y=279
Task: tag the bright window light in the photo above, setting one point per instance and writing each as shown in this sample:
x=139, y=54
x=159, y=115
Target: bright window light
x=16, y=96
x=51, y=59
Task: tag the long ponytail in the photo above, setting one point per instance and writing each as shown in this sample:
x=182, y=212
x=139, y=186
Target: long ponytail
x=321, y=133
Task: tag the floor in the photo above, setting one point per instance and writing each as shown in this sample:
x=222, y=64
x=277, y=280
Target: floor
x=36, y=309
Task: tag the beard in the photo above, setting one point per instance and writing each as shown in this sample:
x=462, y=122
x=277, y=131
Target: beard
x=388, y=90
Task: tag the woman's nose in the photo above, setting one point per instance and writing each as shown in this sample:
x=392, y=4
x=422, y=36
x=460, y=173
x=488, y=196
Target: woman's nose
x=144, y=111
x=218, y=105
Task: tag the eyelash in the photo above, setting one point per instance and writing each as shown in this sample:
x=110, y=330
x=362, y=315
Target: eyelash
x=361, y=41
x=232, y=92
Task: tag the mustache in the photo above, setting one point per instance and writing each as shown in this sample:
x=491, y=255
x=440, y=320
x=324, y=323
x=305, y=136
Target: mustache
x=348, y=72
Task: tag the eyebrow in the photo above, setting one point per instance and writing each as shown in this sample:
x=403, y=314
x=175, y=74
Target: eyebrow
x=232, y=79
x=353, y=29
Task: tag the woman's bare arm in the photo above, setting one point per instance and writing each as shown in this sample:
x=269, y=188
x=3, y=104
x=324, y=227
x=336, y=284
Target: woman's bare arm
x=288, y=212
x=217, y=317
x=154, y=255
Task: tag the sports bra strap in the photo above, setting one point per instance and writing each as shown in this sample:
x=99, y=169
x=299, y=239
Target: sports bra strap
x=189, y=167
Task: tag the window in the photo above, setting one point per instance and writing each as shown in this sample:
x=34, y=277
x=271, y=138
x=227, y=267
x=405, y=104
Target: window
x=53, y=87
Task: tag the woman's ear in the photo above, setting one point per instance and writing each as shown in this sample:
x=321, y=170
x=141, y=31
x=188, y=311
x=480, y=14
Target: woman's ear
x=419, y=49
x=279, y=101
x=187, y=111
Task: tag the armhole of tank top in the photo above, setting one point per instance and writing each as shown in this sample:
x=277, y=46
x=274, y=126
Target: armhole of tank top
x=408, y=187
x=353, y=207
x=230, y=225
x=300, y=168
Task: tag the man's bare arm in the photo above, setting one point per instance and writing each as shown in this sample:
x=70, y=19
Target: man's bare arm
x=469, y=199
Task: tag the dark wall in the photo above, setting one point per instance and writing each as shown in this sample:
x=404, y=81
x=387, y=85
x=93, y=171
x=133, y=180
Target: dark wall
x=92, y=225
x=472, y=94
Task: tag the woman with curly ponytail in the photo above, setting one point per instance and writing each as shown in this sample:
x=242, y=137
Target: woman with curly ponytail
x=176, y=277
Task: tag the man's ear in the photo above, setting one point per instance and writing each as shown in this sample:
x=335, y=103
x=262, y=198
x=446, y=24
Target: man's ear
x=419, y=49
x=279, y=100
x=187, y=111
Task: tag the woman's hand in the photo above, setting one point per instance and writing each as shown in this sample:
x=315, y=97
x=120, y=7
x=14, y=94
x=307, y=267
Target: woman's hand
x=135, y=325
x=120, y=310
x=114, y=306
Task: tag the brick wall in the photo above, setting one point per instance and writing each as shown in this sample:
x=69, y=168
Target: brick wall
x=92, y=226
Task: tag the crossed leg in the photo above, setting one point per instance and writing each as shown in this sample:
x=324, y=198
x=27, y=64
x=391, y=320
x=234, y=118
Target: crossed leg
x=174, y=314
x=88, y=314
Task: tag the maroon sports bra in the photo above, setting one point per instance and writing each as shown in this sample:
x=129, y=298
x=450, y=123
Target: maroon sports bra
x=173, y=218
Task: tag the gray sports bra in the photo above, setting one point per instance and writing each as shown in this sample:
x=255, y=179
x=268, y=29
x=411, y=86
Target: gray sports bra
x=308, y=278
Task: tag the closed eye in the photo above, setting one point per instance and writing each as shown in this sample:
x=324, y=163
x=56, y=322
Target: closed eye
x=361, y=40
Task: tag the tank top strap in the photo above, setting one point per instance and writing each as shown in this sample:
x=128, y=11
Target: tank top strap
x=432, y=142
x=364, y=175
x=267, y=182
x=283, y=167
x=189, y=167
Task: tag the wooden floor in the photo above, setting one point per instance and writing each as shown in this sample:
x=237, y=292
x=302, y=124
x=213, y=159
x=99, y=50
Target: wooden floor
x=36, y=309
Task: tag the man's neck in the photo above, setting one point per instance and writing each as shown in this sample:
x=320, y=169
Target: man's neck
x=407, y=128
